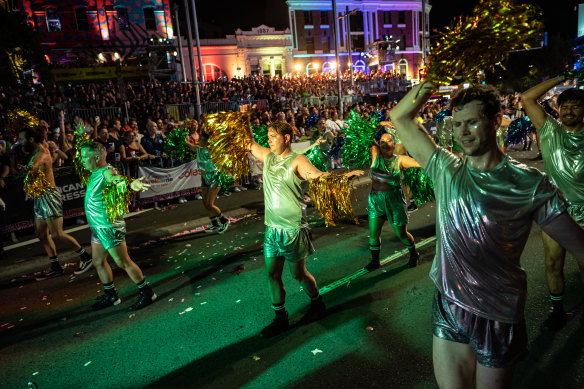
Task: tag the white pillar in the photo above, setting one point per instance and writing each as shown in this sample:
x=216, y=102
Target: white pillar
x=366, y=27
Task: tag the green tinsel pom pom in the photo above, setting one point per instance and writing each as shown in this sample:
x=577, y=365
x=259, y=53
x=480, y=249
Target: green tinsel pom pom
x=421, y=187
x=175, y=144
x=359, y=136
x=260, y=134
x=315, y=156
x=225, y=181
x=117, y=197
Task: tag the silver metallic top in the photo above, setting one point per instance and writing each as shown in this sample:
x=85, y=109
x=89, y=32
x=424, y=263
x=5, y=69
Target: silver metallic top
x=483, y=221
x=283, y=193
x=563, y=158
x=95, y=203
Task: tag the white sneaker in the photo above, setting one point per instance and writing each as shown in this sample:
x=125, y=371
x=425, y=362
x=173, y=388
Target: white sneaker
x=236, y=189
x=182, y=200
x=198, y=196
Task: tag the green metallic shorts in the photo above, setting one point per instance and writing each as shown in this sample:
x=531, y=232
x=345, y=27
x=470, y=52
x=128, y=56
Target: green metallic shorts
x=292, y=244
x=495, y=344
x=109, y=237
x=389, y=205
x=48, y=206
x=210, y=180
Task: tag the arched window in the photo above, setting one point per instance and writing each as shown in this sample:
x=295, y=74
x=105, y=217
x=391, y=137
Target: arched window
x=360, y=66
x=403, y=66
x=311, y=68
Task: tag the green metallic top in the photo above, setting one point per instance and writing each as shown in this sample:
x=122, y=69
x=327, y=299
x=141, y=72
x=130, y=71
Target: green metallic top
x=386, y=171
x=563, y=158
x=204, y=161
x=283, y=193
x=95, y=211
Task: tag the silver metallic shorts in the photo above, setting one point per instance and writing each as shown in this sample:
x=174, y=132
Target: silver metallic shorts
x=109, y=237
x=210, y=180
x=494, y=344
x=294, y=244
x=48, y=206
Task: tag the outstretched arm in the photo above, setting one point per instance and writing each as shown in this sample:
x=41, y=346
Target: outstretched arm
x=406, y=162
x=306, y=170
x=529, y=98
x=410, y=131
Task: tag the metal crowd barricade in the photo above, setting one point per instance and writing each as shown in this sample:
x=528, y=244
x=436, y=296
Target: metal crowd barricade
x=180, y=111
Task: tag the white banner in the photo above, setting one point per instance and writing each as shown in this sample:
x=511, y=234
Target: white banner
x=165, y=181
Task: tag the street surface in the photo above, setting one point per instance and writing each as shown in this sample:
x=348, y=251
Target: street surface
x=203, y=331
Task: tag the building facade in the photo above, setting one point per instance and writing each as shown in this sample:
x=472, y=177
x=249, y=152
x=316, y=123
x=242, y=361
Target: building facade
x=261, y=51
x=98, y=30
x=402, y=23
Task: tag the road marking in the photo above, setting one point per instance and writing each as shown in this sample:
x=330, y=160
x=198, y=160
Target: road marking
x=361, y=272
x=78, y=228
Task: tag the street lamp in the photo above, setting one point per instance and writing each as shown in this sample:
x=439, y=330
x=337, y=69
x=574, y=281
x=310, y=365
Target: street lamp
x=349, y=49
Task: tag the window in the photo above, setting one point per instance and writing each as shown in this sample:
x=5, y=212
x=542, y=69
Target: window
x=81, y=17
x=324, y=18
x=308, y=17
x=326, y=44
x=149, y=19
x=310, y=45
x=123, y=20
x=403, y=66
x=386, y=17
x=356, y=22
x=53, y=21
x=358, y=42
x=401, y=17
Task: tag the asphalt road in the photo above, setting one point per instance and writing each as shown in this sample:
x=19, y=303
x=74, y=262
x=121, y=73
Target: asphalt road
x=202, y=332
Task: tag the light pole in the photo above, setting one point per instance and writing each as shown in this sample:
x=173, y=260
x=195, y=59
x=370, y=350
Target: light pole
x=180, y=50
x=339, y=80
x=192, y=60
x=201, y=76
x=347, y=18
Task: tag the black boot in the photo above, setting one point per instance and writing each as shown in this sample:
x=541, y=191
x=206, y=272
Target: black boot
x=414, y=256
x=315, y=311
x=374, y=264
x=278, y=326
x=145, y=298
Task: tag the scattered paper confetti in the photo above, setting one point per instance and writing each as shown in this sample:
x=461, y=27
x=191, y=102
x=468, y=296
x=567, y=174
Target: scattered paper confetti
x=132, y=315
x=256, y=358
x=87, y=363
x=188, y=309
x=79, y=333
x=369, y=328
x=238, y=301
x=316, y=351
x=203, y=303
x=35, y=373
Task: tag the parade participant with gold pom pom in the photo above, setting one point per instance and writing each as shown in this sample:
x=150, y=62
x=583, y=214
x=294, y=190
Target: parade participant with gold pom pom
x=108, y=230
x=48, y=204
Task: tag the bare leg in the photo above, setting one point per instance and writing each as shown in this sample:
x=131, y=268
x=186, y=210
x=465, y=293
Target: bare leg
x=375, y=229
x=55, y=225
x=99, y=255
x=403, y=235
x=209, y=196
x=454, y=364
x=42, y=232
x=302, y=275
x=555, y=256
x=120, y=254
x=494, y=378
x=275, y=266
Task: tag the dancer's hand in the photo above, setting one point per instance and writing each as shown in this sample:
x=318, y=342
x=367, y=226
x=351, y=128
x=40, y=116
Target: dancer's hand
x=138, y=186
x=354, y=173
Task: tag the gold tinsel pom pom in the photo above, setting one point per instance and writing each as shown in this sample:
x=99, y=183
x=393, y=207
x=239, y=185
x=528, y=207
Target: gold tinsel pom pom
x=228, y=140
x=118, y=196
x=332, y=197
x=82, y=172
x=481, y=40
x=36, y=184
x=19, y=119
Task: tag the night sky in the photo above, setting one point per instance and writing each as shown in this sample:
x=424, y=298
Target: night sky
x=558, y=15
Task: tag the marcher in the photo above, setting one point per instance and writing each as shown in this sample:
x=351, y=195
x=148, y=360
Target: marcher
x=562, y=149
x=48, y=210
x=287, y=236
x=109, y=237
x=486, y=203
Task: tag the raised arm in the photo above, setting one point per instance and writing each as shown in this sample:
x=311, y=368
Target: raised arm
x=406, y=162
x=529, y=99
x=409, y=130
x=259, y=152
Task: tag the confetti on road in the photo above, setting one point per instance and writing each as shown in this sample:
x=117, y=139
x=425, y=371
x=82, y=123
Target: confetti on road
x=132, y=315
x=370, y=328
x=35, y=373
x=171, y=299
x=87, y=363
x=188, y=309
x=316, y=351
x=238, y=301
x=256, y=358
x=203, y=303
x=79, y=333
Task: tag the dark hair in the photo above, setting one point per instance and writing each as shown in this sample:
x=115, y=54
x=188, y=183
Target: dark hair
x=282, y=128
x=486, y=94
x=571, y=95
x=35, y=132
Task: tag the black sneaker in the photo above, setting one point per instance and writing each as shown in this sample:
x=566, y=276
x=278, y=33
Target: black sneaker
x=49, y=273
x=84, y=266
x=145, y=298
x=412, y=207
x=316, y=311
x=106, y=301
x=538, y=158
x=224, y=226
x=212, y=228
x=278, y=326
x=413, y=262
x=374, y=264
x=556, y=320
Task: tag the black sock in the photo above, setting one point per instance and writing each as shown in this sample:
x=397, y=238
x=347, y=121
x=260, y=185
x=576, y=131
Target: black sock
x=412, y=249
x=279, y=310
x=142, y=283
x=315, y=299
x=55, y=265
x=84, y=255
x=222, y=218
x=110, y=289
x=557, y=302
x=375, y=249
x=214, y=221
